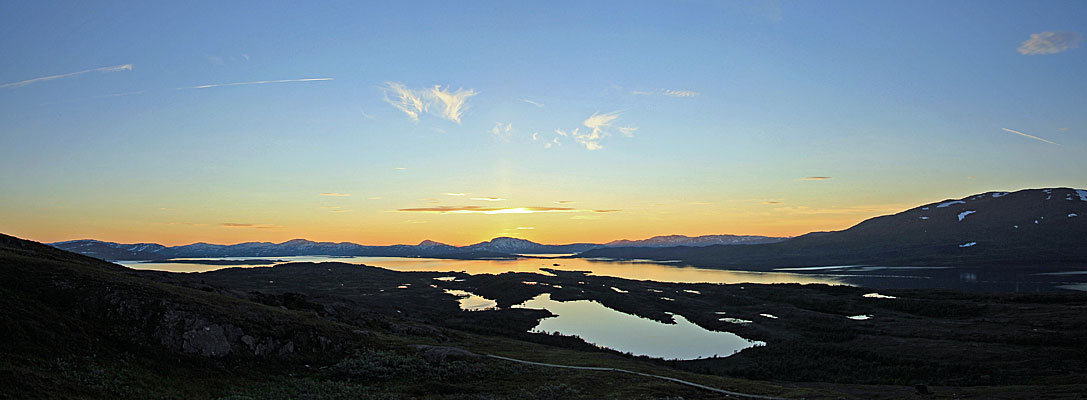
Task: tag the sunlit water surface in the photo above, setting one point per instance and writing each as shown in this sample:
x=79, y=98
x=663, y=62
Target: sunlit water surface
x=609, y=328
x=661, y=272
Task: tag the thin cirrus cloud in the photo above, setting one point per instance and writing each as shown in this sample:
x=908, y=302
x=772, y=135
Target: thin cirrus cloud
x=679, y=93
x=666, y=92
x=1028, y=136
x=488, y=199
x=1049, y=43
x=599, y=127
x=535, y=103
x=214, y=85
x=498, y=210
x=115, y=68
x=815, y=178
x=336, y=194
x=444, y=103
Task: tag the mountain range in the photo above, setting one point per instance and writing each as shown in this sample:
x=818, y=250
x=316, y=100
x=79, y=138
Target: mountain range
x=1027, y=228
x=1033, y=227
x=495, y=248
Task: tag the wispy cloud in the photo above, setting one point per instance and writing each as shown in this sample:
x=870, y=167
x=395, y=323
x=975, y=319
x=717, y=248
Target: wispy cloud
x=502, y=131
x=442, y=102
x=771, y=202
x=336, y=194
x=537, y=104
x=116, y=68
x=1028, y=136
x=488, y=199
x=679, y=93
x=497, y=210
x=599, y=127
x=453, y=102
x=257, y=83
x=454, y=194
x=404, y=99
x=525, y=227
x=563, y=201
x=254, y=226
x=1049, y=43
x=665, y=92
x=815, y=178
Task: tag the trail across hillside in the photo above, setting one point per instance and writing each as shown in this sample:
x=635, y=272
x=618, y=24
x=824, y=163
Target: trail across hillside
x=675, y=380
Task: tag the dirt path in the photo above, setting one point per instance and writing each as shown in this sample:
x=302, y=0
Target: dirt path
x=674, y=380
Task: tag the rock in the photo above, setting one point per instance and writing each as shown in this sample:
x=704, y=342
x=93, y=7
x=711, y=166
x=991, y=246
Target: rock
x=207, y=341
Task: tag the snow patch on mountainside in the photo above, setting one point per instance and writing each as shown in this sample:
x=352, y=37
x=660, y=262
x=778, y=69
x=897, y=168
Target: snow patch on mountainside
x=948, y=203
x=965, y=213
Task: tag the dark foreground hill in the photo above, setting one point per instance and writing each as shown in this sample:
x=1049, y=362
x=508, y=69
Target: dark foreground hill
x=1039, y=228
x=77, y=327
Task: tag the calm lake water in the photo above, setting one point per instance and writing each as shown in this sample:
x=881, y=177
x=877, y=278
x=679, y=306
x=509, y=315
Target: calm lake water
x=603, y=326
x=661, y=272
x=615, y=330
x=879, y=277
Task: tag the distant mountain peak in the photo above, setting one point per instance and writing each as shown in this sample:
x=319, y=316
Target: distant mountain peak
x=507, y=239
x=297, y=241
x=431, y=243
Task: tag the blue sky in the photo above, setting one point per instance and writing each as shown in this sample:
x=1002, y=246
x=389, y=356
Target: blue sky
x=709, y=115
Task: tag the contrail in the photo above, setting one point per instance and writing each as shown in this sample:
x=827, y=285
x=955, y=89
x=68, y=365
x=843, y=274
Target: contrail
x=116, y=68
x=257, y=83
x=1029, y=136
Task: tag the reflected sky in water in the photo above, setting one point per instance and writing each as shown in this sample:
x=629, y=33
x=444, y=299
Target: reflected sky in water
x=603, y=326
x=472, y=302
x=623, y=269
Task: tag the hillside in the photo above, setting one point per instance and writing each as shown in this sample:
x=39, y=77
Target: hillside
x=77, y=327
x=1035, y=228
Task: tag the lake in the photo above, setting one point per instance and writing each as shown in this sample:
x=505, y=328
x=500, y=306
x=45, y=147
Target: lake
x=605, y=327
x=1003, y=279
x=602, y=326
x=639, y=270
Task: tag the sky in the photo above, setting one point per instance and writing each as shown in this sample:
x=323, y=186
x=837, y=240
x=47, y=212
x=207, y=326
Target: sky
x=558, y=122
